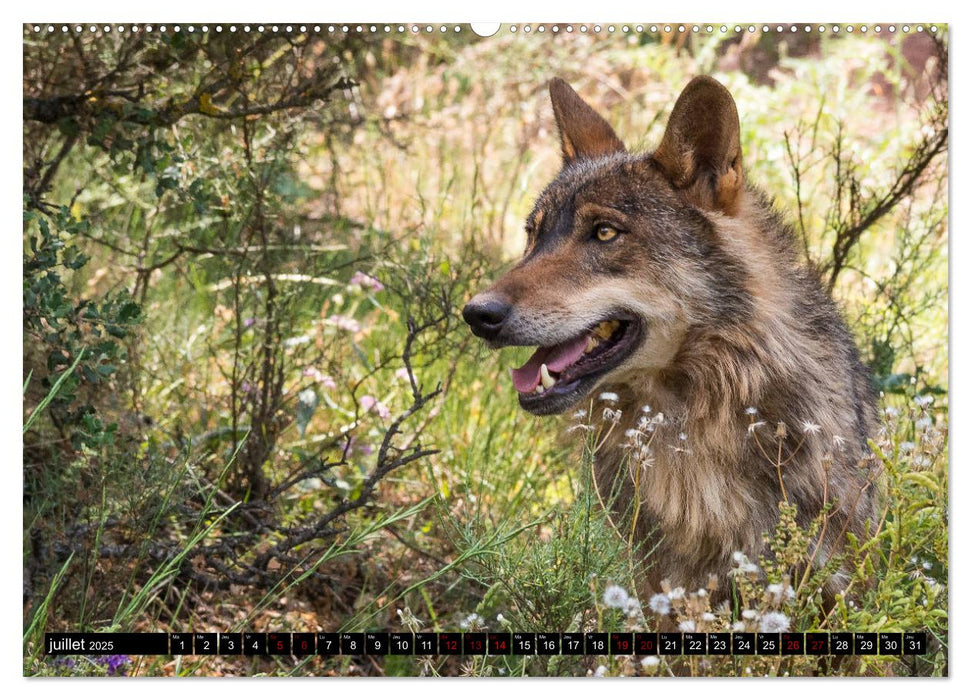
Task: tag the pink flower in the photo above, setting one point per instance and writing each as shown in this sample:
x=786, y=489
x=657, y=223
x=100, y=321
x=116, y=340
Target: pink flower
x=402, y=374
x=345, y=323
x=371, y=404
x=356, y=447
x=366, y=281
x=325, y=380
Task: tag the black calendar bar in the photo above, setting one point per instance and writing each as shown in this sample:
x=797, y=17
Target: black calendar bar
x=298, y=644
x=304, y=643
x=205, y=643
x=82, y=643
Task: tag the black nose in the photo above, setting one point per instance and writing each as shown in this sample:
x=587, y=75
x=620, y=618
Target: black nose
x=487, y=316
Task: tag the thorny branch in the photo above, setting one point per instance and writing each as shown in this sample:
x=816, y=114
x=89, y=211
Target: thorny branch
x=388, y=459
x=224, y=555
x=855, y=210
x=862, y=211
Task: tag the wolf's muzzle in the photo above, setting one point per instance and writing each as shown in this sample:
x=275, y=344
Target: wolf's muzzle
x=486, y=315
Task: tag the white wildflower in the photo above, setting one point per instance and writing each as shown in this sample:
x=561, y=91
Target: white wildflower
x=923, y=400
x=738, y=627
x=751, y=411
x=615, y=597
x=774, y=622
x=645, y=408
x=650, y=662
x=609, y=397
x=923, y=423
x=839, y=441
x=408, y=618
x=749, y=614
x=581, y=414
x=473, y=622
x=907, y=447
x=308, y=397
x=612, y=415
x=296, y=340
x=660, y=604
x=682, y=436
x=922, y=461
x=708, y=617
x=599, y=673
x=702, y=593
x=633, y=608
x=500, y=618
x=632, y=433
x=676, y=593
x=891, y=412
x=687, y=626
x=752, y=427
x=810, y=428
x=744, y=566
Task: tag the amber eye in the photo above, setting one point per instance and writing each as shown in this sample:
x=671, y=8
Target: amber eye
x=605, y=232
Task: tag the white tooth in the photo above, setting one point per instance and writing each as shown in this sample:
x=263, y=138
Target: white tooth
x=544, y=375
x=539, y=389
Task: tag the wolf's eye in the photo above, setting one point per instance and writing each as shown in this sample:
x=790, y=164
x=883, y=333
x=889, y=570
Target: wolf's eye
x=605, y=232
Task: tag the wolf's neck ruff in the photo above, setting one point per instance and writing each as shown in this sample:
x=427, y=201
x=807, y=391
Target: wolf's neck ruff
x=665, y=279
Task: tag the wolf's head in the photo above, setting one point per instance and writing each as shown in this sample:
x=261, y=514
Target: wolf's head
x=622, y=256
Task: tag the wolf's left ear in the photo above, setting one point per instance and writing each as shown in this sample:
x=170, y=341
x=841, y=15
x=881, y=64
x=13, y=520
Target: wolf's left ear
x=701, y=152
x=583, y=132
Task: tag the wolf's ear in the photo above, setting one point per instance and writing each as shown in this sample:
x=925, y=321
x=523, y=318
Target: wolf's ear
x=700, y=151
x=583, y=132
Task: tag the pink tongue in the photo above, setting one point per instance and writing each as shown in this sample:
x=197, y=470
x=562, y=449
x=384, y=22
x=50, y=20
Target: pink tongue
x=557, y=358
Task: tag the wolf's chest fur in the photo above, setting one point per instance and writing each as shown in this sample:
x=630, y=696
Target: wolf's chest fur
x=678, y=489
x=697, y=472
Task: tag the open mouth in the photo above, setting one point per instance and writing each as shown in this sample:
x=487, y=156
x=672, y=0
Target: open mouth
x=558, y=376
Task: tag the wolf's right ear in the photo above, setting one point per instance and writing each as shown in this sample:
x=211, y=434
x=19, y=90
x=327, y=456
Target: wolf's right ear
x=701, y=152
x=583, y=132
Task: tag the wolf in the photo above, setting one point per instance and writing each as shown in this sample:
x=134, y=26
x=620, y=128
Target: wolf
x=665, y=295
